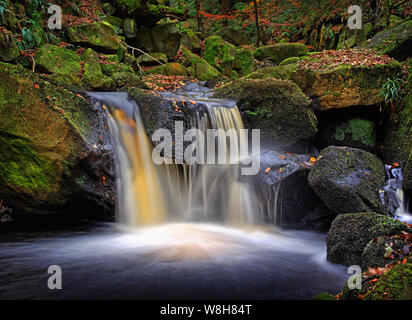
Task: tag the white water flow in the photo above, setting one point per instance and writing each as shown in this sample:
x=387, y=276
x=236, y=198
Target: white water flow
x=393, y=189
x=151, y=194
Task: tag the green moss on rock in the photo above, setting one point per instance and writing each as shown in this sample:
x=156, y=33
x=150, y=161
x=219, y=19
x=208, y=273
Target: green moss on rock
x=59, y=61
x=8, y=47
x=348, y=180
x=396, y=284
x=169, y=69
x=354, y=132
x=100, y=36
x=199, y=68
x=93, y=77
x=350, y=233
x=280, y=51
x=278, y=108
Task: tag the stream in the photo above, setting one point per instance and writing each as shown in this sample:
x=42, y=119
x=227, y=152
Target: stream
x=171, y=261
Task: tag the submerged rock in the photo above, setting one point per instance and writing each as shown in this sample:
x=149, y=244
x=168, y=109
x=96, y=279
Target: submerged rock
x=348, y=180
x=350, y=233
x=278, y=108
x=52, y=158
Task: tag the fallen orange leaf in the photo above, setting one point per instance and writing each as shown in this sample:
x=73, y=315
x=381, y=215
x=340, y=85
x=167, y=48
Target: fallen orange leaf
x=267, y=170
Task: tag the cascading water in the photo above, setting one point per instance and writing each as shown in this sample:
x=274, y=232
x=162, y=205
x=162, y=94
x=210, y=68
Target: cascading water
x=163, y=254
x=395, y=194
x=195, y=192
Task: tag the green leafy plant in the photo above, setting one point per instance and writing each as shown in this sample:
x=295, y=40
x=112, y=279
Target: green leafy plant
x=28, y=42
x=390, y=95
x=3, y=11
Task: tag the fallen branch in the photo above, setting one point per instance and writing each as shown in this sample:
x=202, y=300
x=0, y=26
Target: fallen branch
x=133, y=48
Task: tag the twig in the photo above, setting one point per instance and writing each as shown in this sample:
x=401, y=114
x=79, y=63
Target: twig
x=133, y=49
x=34, y=63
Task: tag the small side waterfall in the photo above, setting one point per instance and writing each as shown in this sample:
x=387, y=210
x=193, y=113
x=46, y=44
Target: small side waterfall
x=152, y=194
x=395, y=195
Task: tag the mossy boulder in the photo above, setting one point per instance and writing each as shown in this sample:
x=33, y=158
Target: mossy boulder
x=147, y=12
x=348, y=180
x=350, y=233
x=169, y=69
x=191, y=41
x=152, y=59
x=49, y=136
x=375, y=253
x=227, y=58
x=127, y=80
x=8, y=47
x=93, y=78
x=232, y=36
x=99, y=36
x=114, y=21
x=344, y=85
x=220, y=54
x=353, y=132
x=197, y=67
x=278, y=108
x=62, y=63
x=395, y=41
x=129, y=27
x=163, y=38
x=283, y=72
x=280, y=51
x=396, y=284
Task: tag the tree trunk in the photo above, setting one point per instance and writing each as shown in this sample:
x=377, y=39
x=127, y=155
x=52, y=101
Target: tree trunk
x=225, y=11
x=199, y=18
x=258, y=40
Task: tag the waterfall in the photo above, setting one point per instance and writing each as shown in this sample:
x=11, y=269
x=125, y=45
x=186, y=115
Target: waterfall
x=395, y=196
x=152, y=194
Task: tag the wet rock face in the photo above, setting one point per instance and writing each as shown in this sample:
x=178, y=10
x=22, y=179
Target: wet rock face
x=284, y=192
x=350, y=234
x=348, y=180
x=53, y=158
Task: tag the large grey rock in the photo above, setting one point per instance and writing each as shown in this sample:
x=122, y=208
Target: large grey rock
x=350, y=233
x=348, y=180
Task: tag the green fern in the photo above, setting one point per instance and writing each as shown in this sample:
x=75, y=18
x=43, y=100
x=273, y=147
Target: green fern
x=391, y=93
